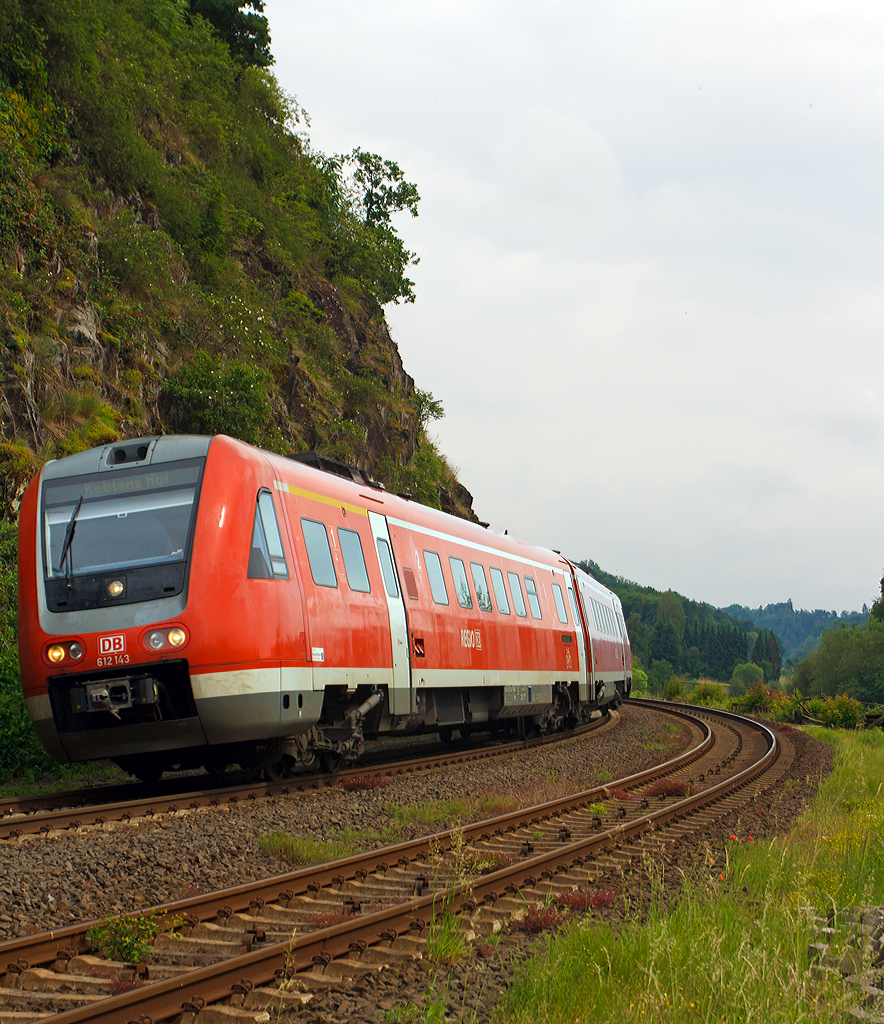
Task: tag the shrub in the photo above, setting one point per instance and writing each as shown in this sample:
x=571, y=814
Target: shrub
x=708, y=694
x=538, y=919
x=841, y=712
x=672, y=787
x=621, y=794
x=21, y=755
x=211, y=398
x=756, y=698
x=639, y=682
x=660, y=672
x=673, y=688
x=586, y=899
x=130, y=938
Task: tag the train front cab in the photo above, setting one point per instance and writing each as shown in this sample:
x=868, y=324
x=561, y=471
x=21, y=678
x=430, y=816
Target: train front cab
x=158, y=614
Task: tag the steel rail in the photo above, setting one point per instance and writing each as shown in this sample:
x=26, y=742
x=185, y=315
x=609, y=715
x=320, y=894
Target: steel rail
x=47, y=946
x=149, y=806
x=162, y=1000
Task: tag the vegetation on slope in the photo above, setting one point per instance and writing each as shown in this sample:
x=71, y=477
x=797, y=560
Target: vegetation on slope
x=798, y=630
x=176, y=257
x=671, y=634
x=688, y=637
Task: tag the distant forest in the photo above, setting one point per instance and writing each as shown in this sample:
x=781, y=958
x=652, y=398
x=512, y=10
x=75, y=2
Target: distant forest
x=696, y=639
x=798, y=631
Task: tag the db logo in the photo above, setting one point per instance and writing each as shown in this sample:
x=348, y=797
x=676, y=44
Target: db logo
x=115, y=644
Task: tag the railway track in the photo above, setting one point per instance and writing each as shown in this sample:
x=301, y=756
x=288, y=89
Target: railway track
x=30, y=815
x=316, y=926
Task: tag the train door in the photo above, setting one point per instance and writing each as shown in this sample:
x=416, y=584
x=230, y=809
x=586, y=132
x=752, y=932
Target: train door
x=583, y=691
x=400, y=691
x=592, y=657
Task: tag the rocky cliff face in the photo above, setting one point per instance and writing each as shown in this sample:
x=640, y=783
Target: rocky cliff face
x=174, y=256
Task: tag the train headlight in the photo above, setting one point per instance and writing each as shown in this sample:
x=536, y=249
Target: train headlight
x=115, y=588
x=55, y=653
x=177, y=636
x=75, y=651
x=156, y=640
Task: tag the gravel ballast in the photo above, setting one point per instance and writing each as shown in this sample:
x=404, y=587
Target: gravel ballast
x=58, y=879
x=97, y=871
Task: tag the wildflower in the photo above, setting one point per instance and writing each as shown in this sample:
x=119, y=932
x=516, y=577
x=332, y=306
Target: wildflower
x=734, y=838
x=721, y=877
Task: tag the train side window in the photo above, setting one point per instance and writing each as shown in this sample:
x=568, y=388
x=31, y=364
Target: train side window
x=410, y=583
x=483, y=595
x=608, y=617
x=437, y=579
x=533, y=601
x=461, y=586
x=266, y=557
x=516, y=591
x=354, y=560
x=560, y=603
x=322, y=568
x=503, y=606
x=385, y=556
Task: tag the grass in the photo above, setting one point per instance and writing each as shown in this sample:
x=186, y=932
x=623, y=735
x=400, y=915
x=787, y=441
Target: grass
x=732, y=946
x=73, y=776
x=302, y=851
x=663, y=739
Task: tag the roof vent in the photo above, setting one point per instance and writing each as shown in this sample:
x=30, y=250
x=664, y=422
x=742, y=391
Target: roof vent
x=317, y=461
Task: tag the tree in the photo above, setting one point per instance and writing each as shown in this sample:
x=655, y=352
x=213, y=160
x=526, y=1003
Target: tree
x=659, y=674
x=878, y=607
x=670, y=608
x=665, y=643
x=747, y=675
x=380, y=188
x=247, y=34
x=849, y=659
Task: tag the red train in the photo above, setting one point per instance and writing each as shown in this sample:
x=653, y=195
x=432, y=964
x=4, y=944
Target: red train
x=194, y=600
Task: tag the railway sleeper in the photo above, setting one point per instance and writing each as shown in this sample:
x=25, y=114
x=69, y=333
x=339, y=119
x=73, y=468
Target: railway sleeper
x=276, y=1000
x=22, y=1016
x=170, y=943
x=50, y=1002
x=221, y=1013
x=39, y=979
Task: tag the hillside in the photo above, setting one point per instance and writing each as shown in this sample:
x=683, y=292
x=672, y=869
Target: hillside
x=798, y=630
x=697, y=624
x=176, y=257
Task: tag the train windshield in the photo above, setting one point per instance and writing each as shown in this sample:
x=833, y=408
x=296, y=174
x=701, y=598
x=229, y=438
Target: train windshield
x=127, y=518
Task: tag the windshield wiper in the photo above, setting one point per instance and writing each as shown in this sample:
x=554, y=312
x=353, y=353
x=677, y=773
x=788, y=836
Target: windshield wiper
x=68, y=540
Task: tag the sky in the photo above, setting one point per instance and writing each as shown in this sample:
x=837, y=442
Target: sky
x=649, y=294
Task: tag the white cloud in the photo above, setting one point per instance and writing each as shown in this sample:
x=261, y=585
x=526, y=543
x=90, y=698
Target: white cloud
x=649, y=294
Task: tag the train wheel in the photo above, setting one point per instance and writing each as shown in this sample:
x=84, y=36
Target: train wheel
x=329, y=761
x=148, y=773
x=445, y=734
x=276, y=771
x=526, y=729
x=215, y=766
